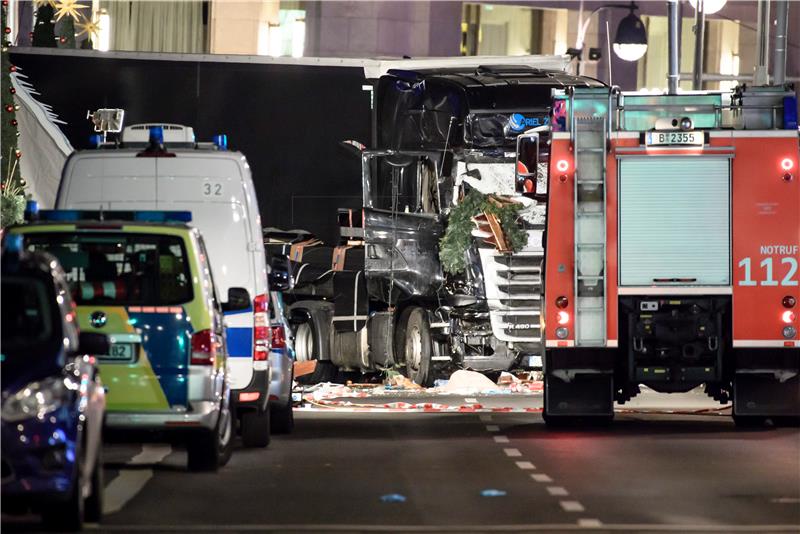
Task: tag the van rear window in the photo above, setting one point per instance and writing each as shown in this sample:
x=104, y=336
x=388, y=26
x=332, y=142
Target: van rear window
x=120, y=269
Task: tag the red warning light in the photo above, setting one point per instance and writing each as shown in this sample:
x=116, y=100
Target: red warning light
x=787, y=164
x=788, y=317
x=563, y=317
x=562, y=165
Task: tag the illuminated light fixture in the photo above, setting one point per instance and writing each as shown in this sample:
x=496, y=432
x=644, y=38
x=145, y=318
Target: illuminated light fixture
x=709, y=6
x=103, y=31
x=787, y=164
x=630, y=43
x=298, y=37
x=562, y=165
x=275, y=40
x=249, y=396
x=563, y=317
x=786, y=317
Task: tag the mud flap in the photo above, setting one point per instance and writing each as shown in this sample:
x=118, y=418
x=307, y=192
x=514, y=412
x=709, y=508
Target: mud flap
x=579, y=393
x=766, y=393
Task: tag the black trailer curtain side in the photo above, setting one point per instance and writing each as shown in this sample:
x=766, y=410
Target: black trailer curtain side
x=288, y=119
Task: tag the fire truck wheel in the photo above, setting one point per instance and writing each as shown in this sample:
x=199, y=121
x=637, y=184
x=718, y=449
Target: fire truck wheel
x=414, y=337
x=749, y=421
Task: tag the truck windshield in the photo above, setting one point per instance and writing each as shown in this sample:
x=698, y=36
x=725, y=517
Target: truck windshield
x=120, y=269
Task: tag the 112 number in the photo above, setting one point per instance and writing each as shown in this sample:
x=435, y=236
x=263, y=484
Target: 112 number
x=767, y=265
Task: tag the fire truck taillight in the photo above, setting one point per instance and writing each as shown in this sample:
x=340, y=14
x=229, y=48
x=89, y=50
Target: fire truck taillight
x=788, y=317
x=789, y=301
x=562, y=302
x=787, y=164
x=562, y=165
x=563, y=317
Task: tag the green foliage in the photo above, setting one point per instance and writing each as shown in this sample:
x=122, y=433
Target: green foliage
x=458, y=237
x=12, y=209
x=44, y=30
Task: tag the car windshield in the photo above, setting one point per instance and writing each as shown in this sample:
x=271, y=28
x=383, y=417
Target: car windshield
x=28, y=317
x=120, y=269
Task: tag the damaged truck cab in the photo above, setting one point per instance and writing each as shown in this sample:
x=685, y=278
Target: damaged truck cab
x=382, y=299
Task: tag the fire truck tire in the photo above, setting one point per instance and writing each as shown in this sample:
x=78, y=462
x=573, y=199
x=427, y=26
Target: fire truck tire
x=749, y=421
x=415, y=345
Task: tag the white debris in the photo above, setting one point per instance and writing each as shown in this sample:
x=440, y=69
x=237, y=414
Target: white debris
x=462, y=381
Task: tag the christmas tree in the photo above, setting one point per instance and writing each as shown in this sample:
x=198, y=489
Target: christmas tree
x=13, y=193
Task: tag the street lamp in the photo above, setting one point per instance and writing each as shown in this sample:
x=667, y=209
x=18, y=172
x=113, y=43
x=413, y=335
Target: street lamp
x=630, y=43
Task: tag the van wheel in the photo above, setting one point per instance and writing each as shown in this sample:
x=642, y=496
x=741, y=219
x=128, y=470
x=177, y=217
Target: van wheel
x=255, y=429
x=282, y=418
x=94, y=503
x=414, y=342
x=210, y=450
x=306, y=349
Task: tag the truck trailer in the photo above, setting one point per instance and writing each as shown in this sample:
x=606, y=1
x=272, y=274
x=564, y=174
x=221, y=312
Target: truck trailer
x=381, y=298
x=672, y=252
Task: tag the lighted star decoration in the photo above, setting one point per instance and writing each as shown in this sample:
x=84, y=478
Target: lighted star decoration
x=41, y=3
x=68, y=8
x=90, y=27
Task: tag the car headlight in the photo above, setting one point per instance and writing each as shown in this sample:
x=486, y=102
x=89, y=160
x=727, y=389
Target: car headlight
x=36, y=399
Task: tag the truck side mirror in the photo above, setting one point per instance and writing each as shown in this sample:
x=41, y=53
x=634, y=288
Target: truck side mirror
x=93, y=344
x=238, y=300
x=526, y=166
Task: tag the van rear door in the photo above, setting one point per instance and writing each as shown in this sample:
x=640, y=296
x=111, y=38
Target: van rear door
x=108, y=179
x=211, y=188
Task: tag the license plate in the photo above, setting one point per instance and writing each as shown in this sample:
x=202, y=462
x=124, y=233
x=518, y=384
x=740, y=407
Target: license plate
x=120, y=351
x=674, y=138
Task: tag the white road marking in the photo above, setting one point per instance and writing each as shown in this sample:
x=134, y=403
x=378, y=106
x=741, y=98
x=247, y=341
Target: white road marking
x=492, y=428
x=541, y=477
x=572, y=506
x=131, y=481
x=786, y=500
x=471, y=400
x=485, y=418
x=525, y=465
x=513, y=453
x=557, y=491
x=590, y=523
x=501, y=439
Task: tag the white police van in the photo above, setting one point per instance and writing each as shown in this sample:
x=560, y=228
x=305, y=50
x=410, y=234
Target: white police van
x=160, y=167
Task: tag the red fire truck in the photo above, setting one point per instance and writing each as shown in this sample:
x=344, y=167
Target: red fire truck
x=672, y=249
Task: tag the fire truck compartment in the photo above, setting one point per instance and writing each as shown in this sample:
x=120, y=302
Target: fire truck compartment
x=675, y=221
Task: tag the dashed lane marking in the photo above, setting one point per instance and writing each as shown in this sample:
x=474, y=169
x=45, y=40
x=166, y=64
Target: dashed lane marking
x=492, y=428
x=541, y=477
x=590, y=523
x=485, y=418
x=572, y=506
x=501, y=439
x=512, y=453
x=131, y=481
x=557, y=491
x=525, y=465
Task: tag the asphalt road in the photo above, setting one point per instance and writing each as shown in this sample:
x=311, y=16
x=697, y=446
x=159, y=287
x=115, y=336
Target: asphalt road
x=647, y=472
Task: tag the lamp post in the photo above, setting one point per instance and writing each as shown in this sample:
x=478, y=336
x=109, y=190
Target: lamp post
x=630, y=42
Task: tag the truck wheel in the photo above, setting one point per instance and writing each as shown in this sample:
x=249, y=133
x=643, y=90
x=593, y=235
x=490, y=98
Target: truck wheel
x=210, y=450
x=255, y=429
x=415, y=340
x=281, y=418
x=305, y=348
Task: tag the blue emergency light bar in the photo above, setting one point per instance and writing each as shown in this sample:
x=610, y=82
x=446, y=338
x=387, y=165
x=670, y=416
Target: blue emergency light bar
x=13, y=243
x=152, y=216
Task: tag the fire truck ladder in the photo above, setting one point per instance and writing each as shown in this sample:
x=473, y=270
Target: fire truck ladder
x=589, y=140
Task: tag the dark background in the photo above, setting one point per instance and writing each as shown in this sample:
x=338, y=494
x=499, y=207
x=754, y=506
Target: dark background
x=287, y=119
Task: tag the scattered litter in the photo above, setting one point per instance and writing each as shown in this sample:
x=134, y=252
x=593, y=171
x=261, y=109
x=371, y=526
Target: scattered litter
x=472, y=381
x=396, y=381
x=507, y=378
x=440, y=382
x=393, y=497
x=493, y=493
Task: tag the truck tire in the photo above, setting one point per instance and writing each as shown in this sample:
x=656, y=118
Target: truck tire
x=306, y=349
x=210, y=450
x=255, y=429
x=415, y=344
